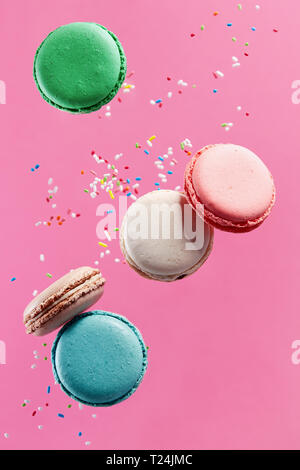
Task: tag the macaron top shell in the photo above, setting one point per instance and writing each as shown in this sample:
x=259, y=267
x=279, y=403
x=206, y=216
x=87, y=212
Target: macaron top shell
x=161, y=257
x=99, y=358
x=79, y=67
x=233, y=184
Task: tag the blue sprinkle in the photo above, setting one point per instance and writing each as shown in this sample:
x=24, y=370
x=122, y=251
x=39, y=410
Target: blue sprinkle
x=60, y=415
x=161, y=159
x=13, y=279
x=80, y=434
x=128, y=180
x=128, y=194
x=31, y=169
x=146, y=151
x=138, y=178
x=253, y=28
x=37, y=166
x=215, y=90
x=229, y=24
x=170, y=172
x=48, y=389
x=109, y=212
x=157, y=184
x=158, y=101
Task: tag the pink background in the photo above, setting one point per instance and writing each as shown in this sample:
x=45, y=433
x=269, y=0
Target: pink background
x=220, y=373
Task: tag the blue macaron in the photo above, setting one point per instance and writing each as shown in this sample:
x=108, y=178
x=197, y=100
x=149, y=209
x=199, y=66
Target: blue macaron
x=99, y=358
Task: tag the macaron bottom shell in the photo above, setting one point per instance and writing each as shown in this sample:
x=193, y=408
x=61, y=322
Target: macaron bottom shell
x=99, y=358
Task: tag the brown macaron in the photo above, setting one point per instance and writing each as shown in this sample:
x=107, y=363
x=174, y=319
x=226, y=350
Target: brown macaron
x=63, y=300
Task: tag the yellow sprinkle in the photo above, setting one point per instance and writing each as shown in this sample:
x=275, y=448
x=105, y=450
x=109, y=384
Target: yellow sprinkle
x=111, y=194
x=152, y=138
x=103, y=244
x=127, y=86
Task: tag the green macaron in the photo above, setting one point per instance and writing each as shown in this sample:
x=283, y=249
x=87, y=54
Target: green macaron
x=79, y=67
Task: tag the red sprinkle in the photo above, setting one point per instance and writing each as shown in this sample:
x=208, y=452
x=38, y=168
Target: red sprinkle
x=192, y=35
x=247, y=114
x=169, y=78
x=275, y=30
x=34, y=413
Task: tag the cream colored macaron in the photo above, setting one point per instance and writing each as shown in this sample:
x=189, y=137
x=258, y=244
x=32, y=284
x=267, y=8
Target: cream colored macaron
x=162, y=237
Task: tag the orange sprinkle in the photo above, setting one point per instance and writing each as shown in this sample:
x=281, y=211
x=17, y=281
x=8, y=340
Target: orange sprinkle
x=82, y=172
x=215, y=13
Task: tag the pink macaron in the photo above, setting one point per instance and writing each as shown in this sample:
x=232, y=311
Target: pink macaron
x=231, y=186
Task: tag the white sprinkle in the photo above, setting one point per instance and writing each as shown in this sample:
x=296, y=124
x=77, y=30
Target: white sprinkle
x=96, y=263
x=149, y=143
x=117, y=260
x=88, y=443
x=38, y=223
x=239, y=108
x=40, y=426
x=55, y=189
x=53, y=206
x=101, y=254
x=152, y=102
x=235, y=59
x=219, y=73
x=108, y=114
x=236, y=64
x=80, y=406
x=6, y=435
x=94, y=416
x=107, y=252
x=257, y=7
x=227, y=128
x=26, y=401
x=132, y=196
x=50, y=181
x=34, y=293
x=42, y=257
x=169, y=94
x=177, y=188
x=33, y=366
x=107, y=235
x=136, y=185
x=93, y=195
x=40, y=408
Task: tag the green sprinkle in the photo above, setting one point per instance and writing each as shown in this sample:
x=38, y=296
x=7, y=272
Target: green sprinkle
x=234, y=39
x=45, y=358
x=23, y=404
x=105, y=179
x=194, y=86
x=116, y=229
x=69, y=406
x=118, y=183
x=224, y=124
x=147, y=347
x=239, y=6
x=182, y=145
x=50, y=197
x=113, y=167
x=246, y=43
x=49, y=275
x=137, y=145
x=44, y=344
x=202, y=27
x=86, y=190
